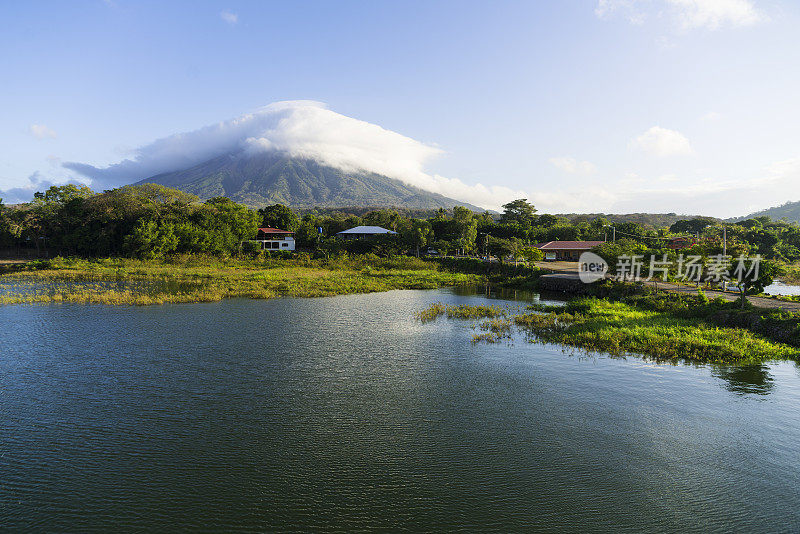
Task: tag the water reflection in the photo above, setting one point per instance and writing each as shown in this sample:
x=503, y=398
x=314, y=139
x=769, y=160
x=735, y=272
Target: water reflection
x=743, y=380
x=779, y=288
x=496, y=292
x=348, y=414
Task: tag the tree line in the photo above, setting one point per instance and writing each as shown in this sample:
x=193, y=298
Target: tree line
x=151, y=220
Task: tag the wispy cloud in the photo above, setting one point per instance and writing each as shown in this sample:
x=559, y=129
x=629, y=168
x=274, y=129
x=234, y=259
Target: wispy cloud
x=661, y=142
x=573, y=166
x=24, y=193
x=714, y=14
x=302, y=129
x=40, y=131
x=687, y=14
x=630, y=9
x=772, y=186
x=229, y=17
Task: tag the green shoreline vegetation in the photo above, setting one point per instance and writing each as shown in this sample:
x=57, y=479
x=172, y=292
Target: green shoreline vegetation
x=634, y=321
x=150, y=244
x=194, y=278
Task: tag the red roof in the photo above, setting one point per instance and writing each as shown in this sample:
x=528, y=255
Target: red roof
x=270, y=230
x=568, y=245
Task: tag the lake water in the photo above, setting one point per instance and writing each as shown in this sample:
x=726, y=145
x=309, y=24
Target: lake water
x=779, y=288
x=346, y=413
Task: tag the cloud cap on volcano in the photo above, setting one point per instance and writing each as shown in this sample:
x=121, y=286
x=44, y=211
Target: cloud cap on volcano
x=305, y=129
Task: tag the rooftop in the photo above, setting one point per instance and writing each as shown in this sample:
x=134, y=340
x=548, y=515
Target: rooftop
x=367, y=230
x=271, y=230
x=568, y=245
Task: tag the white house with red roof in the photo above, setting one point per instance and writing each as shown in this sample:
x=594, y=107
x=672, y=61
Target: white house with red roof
x=566, y=250
x=275, y=239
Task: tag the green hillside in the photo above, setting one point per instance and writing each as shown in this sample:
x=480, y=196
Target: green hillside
x=259, y=179
x=789, y=212
x=654, y=220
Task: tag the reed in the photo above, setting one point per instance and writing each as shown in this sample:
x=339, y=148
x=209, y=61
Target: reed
x=463, y=311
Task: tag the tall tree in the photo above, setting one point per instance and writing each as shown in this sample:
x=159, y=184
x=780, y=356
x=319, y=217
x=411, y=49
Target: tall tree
x=279, y=216
x=519, y=212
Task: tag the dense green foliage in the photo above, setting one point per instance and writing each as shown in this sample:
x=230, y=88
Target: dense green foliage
x=789, y=212
x=153, y=221
x=653, y=220
x=144, y=221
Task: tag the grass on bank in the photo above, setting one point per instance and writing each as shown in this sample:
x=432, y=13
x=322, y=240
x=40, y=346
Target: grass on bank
x=656, y=325
x=192, y=278
x=598, y=325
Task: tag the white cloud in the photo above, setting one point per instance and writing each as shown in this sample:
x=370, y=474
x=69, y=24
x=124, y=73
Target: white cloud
x=573, y=166
x=302, y=129
x=229, y=17
x=688, y=14
x=40, y=131
x=662, y=142
x=714, y=14
x=630, y=9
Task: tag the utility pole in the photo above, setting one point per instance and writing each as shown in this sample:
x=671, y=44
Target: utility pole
x=613, y=233
x=724, y=251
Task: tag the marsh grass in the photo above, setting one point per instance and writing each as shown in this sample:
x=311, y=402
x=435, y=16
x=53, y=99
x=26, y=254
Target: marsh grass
x=661, y=328
x=463, y=311
x=192, y=278
x=493, y=331
x=617, y=328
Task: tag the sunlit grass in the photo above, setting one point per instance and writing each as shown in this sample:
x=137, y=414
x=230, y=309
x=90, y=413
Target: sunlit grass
x=463, y=311
x=671, y=331
x=208, y=278
x=617, y=328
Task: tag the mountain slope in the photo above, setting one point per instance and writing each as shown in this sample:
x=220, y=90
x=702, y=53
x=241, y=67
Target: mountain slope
x=258, y=179
x=789, y=212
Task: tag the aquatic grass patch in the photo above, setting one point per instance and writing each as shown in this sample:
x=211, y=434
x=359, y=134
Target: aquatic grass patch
x=618, y=328
x=497, y=327
x=493, y=331
x=462, y=311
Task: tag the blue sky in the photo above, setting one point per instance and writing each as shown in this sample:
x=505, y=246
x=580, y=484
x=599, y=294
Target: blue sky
x=685, y=106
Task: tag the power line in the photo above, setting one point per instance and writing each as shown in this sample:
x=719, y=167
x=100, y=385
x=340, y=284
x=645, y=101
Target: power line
x=644, y=236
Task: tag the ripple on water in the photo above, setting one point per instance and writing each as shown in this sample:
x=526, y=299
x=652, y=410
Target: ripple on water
x=346, y=413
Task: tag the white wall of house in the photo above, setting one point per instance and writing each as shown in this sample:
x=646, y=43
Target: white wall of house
x=276, y=244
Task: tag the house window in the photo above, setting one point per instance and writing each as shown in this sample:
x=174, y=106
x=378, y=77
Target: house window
x=284, y=244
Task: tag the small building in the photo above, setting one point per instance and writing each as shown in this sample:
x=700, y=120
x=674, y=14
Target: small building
x=680, y=242
x=364, y=231
x=566, y=250
x=275, y=239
